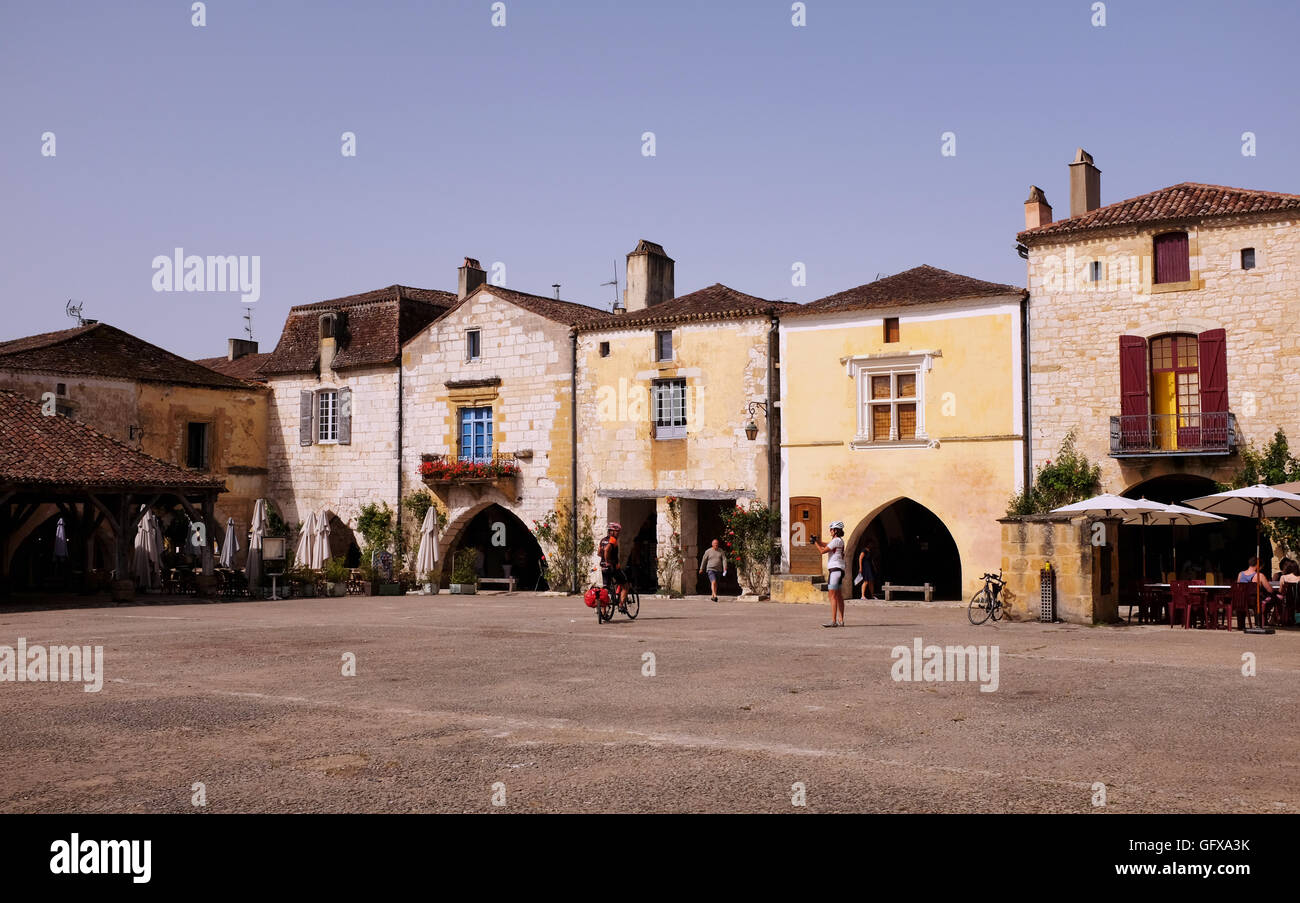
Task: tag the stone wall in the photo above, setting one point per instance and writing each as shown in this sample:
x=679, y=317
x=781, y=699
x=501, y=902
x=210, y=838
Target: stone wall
x=530, y=356
x=1080, y=555
x=1075, y=327
x=338, y=478
x=724, y=364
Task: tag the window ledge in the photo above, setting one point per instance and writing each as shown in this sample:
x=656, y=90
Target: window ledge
x=922, y=442
x=1190, y=285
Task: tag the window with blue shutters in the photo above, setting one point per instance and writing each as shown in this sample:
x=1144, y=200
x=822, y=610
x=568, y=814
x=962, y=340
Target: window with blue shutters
x=475, y=434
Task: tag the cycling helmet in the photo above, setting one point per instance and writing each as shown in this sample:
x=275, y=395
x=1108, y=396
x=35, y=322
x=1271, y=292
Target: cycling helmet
x=615, y=528
x=836, y=525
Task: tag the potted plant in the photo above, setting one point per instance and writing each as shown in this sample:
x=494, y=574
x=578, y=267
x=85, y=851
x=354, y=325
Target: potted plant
x=303, y=580
x=336, y=578
x=369, y=583
x=431, y=580
x=464, y=579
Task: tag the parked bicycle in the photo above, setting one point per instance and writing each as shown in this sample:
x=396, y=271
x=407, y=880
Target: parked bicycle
x=987, y=603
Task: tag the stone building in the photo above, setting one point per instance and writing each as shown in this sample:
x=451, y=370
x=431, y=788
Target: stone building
x=149, y=399
x=489, y=384
x=1162, y=331
x=666, y=389
x=336, y=430
x=902, y=416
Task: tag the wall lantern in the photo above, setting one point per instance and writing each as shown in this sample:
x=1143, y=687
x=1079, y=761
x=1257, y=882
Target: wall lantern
x=751, y=428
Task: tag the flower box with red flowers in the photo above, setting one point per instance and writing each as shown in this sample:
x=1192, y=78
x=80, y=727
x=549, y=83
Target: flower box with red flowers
x=448, y=470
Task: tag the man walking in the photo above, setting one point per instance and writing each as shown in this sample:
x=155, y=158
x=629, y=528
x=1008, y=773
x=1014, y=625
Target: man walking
x=835, y=568
x=714, y=561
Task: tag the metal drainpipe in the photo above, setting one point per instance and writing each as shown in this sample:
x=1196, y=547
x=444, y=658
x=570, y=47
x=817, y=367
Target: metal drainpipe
x=774, y=431
x=400, y=538
x=573, y=447
x=1024, y=389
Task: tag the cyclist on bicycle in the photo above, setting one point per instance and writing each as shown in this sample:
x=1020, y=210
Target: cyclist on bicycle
x=614, y=578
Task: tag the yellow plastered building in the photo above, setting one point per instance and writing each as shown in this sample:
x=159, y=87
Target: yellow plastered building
x=901, y=409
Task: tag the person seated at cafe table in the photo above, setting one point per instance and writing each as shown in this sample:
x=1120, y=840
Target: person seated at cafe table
x=1252, y=575
x=1282, y=566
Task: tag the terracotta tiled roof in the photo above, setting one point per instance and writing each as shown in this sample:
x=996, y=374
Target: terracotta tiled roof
x=246, y=368
x=1185, y=201
x=36, y=450
x=567, y=312
x=101, y=350
x=715, y=302
x=376, y=325
x=919, y=285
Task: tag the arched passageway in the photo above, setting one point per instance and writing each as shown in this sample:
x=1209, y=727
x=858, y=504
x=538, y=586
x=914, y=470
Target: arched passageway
x=503, y=541
x=908, y=545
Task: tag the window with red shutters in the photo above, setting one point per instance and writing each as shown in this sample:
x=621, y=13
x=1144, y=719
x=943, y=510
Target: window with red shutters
x=1171, y=258
x=1134, y=424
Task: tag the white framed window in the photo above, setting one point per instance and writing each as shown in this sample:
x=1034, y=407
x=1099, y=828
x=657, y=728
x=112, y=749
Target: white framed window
x=327, y=416
x=473, y=344
x=891, y=399
x=668, y=401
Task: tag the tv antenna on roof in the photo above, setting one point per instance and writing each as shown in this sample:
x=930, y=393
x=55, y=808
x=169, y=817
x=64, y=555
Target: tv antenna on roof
x=614, y=282
x=74, y=311
x=248, y=320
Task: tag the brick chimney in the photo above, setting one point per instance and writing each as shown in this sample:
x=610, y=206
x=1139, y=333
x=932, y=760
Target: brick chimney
x=1037, y=211
x=469, y=277
x=649, y=277
x=1085, y=184
x=237, y=348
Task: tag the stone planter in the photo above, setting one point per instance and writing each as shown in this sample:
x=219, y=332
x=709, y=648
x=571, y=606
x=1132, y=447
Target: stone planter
x=464, y=589
x=431, y=589
x=390, y=589
x=206, y=584
x=122, y=590
x=335, y=590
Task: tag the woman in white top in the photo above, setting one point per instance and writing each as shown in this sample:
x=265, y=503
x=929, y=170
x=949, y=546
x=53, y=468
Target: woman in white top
x=835, y=567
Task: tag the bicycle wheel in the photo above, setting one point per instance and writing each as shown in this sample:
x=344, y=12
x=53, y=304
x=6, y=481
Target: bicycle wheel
x=633, y=604
x=604, y=610
x=998, y=610
x=980, y=608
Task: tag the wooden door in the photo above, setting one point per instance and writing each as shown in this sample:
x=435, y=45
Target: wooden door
x=805, y=523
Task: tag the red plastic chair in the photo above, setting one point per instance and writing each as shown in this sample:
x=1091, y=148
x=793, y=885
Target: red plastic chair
x=1243, y=603
x=1218, y=610
x=1181, y=603
x=1151, y=606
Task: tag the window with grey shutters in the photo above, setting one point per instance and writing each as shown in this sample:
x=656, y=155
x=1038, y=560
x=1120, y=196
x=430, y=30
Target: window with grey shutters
x=345, y=416
x=305, y=402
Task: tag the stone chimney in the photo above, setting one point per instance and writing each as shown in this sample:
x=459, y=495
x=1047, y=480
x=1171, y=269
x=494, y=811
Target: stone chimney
x=469, y=277
x=1037, y=211
x=237, y=348
x=649, y=277
x=1085, y=184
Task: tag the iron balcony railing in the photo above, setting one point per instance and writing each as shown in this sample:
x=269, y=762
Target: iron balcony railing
x=1207, y=433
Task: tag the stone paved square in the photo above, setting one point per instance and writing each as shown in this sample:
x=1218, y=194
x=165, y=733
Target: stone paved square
x=454, y=695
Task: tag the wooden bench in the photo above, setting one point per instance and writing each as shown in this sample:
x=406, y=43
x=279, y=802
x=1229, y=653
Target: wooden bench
x=895, y=588
x=509, y=582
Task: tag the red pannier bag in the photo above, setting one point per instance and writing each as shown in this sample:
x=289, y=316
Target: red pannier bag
x=590, y=598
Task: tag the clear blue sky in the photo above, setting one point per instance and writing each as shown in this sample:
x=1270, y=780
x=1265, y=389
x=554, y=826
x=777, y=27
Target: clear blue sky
x=522, y=144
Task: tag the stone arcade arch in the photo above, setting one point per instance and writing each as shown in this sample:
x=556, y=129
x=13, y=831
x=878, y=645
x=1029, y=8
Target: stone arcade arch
x=504, y=539
x=911, y=546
